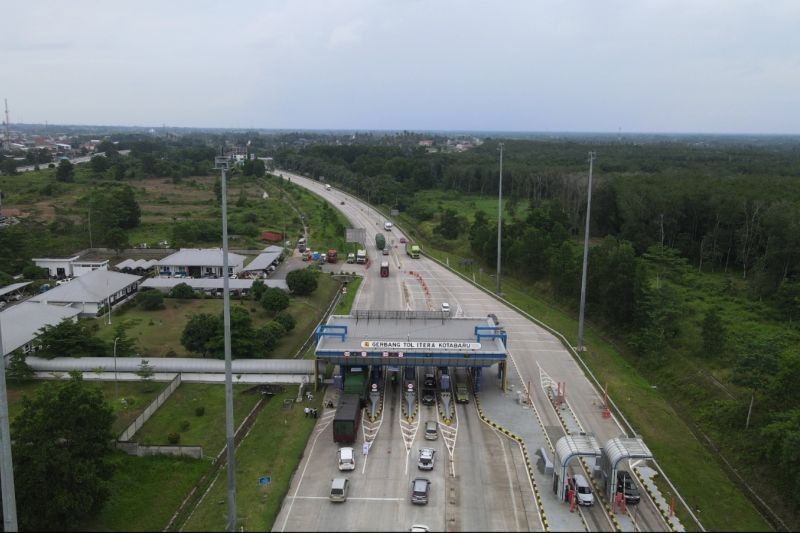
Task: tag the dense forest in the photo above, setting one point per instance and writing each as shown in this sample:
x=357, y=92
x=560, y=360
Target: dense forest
x=673, y=224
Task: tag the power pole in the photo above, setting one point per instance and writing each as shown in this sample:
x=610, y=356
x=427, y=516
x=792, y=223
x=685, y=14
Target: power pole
x=499, y=219
x=8, y=130
x=585, y=254
x=222, y=164
x=7, y=470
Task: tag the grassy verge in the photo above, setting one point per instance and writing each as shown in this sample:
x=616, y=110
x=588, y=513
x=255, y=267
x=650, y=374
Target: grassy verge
x=308, y=311
x=346, y=303
x=145, y=491
x=137, y=396
x=258, y=505
x=207, y=430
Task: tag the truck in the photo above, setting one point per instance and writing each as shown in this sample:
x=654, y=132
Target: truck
x=462, y=395
x=412, y=250
x=380, y=241
x=387, y=226
x=347, y=419
x=351, y=257
x=384, y=269
x=327, y=186
x=361, y=257
x=355, y=381
x=332, y=255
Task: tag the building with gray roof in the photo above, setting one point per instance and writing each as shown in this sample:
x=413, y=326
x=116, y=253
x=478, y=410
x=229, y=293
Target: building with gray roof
x=21, y=323
x=264, y=260
x=199, y=263
x=89, y=292
x=209, y=284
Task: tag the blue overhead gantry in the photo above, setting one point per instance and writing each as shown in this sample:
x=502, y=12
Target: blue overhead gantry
x=412, y=338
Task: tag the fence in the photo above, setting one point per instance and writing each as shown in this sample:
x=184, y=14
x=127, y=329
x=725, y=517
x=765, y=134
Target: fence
x=128, y=434
x=133, y=448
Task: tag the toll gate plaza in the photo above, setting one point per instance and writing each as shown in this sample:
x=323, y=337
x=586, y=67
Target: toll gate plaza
x=410, y=338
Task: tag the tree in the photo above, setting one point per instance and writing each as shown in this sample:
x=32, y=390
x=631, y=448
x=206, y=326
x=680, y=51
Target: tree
x=302, y=282
x=714, y=333
x=274, y=300
x=18, y=370
x=65, y=171
x=146, y=372
x=117, y=239
x=257, y=290
x=8, y=167
x=286, y=320
x=99, y=164
x=182, y=291
x=70, y=339
x=126, y=346
x=62, y=440
x=150, y=300
x=198, y=333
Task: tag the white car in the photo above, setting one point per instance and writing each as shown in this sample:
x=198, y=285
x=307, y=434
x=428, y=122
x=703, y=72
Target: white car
x=445, y=307
x=346, y=459
x=426, y=458
x=421, y=528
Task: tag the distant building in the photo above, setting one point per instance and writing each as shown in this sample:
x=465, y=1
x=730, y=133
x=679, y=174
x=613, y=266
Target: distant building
x=68, y=267
x=271, y=236
x=199, y=263
x=91, y=291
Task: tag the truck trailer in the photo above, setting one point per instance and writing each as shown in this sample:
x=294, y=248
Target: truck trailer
x=347, y=419
x=331, y=256
x=380, y=241
x=361, y=257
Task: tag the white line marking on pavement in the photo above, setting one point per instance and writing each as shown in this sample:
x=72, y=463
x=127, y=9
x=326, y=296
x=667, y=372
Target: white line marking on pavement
x=349, y=498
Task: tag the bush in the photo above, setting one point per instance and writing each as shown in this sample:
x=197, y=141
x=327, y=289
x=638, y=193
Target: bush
x=287, y=320
x=150, y=300
x=274, y=300
x=174, y=438
x=302, y=282
x=185, y=425
x=182, y=291
x=199, y=410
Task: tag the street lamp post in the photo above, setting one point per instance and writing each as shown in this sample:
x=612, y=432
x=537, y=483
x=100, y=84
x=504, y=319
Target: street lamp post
x=7, y=470
x=116, y=387
x=499, y=219
x=585, y=254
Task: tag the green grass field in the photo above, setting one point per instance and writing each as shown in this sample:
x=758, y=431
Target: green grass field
x=208, y=430
x=308, y=311
x=273, y=448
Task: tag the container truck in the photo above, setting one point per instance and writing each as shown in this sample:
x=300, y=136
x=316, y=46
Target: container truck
x=380, y=241
x=347, y=419
x=361, y=257
x=384, y=269
x=355, y=381
x=412, y=250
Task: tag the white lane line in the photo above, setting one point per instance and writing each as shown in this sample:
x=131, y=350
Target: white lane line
x=308, y=460
x=349, y=498
x=508, y=475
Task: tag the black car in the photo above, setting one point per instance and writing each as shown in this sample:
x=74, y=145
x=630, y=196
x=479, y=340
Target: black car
x=420, y=488
x=627, y=486
x=428, y=397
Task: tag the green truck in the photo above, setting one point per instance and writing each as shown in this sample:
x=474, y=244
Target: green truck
x=380, y=241
x=355, y=381
x=412, y=250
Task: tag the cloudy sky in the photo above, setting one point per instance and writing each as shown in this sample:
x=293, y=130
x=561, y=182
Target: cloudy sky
x=726, y=66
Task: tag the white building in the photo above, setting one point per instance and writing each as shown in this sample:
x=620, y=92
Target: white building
x=91, y=291
x=199, y=263
x=21, y=323
x=69, y=267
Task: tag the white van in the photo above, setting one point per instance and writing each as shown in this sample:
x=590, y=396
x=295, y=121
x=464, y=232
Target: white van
x=583, y=491
x=346, y=459
x=387, y=226
x=339, y=488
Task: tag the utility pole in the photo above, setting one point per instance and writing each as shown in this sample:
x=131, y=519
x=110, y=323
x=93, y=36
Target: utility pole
x=585, y=254
x=499, y=219
x=7, y=468
x=90, y=228
x=8, y=130
x=222, y=164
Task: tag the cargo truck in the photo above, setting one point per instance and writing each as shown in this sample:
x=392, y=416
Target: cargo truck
x=355, y=381
x=384, y=269
x=351, y=257
x=347, y=419
x=331, y=255
x=361, y=257
x=380, y=241
x=412, y=250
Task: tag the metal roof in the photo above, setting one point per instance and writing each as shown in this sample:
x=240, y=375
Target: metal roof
x=22, y=322
x=197, y=283
x=14, y=286
x=263, y=260
x=172, y=364
x=571, y=445
x=211, y=257
x=68, y=259
x=273, y=248
x=620, y=448
x=137, y=263
x=94, y=286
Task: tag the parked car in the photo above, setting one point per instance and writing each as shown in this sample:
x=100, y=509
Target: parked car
x=420, y=489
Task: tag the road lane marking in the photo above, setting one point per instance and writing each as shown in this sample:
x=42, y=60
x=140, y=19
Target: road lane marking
x=348, y=498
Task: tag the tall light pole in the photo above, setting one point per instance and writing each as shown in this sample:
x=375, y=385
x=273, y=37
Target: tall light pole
x=116, y=388
x=7, y=470
x=585, y=254
x=499, y=219
x=222, y=164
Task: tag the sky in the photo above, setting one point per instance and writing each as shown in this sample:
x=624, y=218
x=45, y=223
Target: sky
x=649, y=66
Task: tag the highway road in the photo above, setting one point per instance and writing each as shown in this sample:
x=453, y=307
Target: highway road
x=487, y=491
